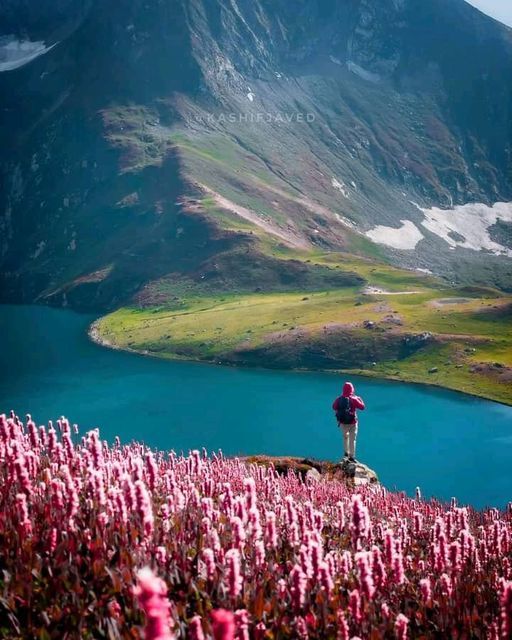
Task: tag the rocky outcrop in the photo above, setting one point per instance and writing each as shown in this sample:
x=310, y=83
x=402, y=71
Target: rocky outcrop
x=314, y=470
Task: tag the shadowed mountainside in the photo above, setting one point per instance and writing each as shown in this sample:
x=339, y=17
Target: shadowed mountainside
x=148, y=140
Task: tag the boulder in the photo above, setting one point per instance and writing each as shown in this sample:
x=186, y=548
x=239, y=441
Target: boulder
x=358, y=472
x=314, y=470
x=313, y=475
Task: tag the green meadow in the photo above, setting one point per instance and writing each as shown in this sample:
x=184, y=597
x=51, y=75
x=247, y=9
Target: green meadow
x=398, y=325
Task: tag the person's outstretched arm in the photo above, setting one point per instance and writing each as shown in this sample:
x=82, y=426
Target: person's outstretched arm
x=358, y=403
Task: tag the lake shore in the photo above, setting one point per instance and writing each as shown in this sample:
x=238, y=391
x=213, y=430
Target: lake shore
x=56, y=369
x=95, y=336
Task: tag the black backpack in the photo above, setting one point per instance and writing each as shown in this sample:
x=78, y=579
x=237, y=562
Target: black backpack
x=344, y=414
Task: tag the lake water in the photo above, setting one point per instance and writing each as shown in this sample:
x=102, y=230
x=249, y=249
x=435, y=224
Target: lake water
x=447, y=443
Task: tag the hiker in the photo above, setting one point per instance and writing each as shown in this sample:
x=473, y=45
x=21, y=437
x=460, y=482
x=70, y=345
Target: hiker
x=345, y=407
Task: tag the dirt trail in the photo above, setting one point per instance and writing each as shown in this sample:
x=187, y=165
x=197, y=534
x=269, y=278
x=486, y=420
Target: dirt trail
x=370, y=291
x=306, y=202
x=288, y=237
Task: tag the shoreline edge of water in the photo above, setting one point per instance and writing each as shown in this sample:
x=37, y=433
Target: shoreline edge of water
x=95, y=336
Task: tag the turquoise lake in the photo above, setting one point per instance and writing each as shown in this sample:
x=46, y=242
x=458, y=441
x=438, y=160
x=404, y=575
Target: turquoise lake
x=449, y=444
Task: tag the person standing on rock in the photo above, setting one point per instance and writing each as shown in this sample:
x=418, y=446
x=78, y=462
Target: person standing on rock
x=345, y=407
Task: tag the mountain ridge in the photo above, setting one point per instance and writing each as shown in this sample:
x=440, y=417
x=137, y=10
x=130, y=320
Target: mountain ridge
x=107, y=102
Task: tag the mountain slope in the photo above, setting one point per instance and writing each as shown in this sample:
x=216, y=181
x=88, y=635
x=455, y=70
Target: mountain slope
x=143, y=137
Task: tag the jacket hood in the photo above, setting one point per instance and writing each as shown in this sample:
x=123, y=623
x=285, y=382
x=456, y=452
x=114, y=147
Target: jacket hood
x=348, y=390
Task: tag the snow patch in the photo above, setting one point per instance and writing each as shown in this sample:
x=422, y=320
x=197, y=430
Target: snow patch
x=335, y=60
x=363, y=73
x=467, y=225
x=405, y=237
x=16, y=53
x=341, y=187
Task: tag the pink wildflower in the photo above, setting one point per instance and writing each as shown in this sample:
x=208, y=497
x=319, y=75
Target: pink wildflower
x=95, y=448
x=250, y=493
x=242, y=624
x=418, y=523
x=301, y=628
x=121, y=508
x=343, y=628
x=114, y=609
x=152, y=469
x=195, y=629
x=52, y=440
x=355, y=606
x=298, y=587
x=52, y=543
x=506, y=611
x=223, y=624
x=161, y=554
x=281, y=588
x=259, y=554
x=305, y=561
x=398, y=568
x=360, y=520
x=455, y=556
x=57, y=497
x=378, y=569
x=33, y=435
x=365, y=574
x=151, y=592
x=401, y=625
x=325, y=578
x=270, y=529
x=235, y=580
x=25, y=523
x=43, y=436
x=446, y=585
x=238, y=529
x=20, y=464
x=209, y=563
x=426, y=589
x=144, y=507
x=389, y=546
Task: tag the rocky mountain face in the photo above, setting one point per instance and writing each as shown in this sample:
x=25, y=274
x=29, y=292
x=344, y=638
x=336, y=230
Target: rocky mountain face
x=143, y=138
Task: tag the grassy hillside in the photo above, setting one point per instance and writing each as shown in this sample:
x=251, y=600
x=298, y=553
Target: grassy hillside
x=376, y=320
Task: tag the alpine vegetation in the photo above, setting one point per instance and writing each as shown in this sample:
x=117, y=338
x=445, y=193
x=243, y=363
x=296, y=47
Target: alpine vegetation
x=119, y=541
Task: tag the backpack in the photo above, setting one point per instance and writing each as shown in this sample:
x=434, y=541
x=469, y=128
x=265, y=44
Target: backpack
x=344, y=413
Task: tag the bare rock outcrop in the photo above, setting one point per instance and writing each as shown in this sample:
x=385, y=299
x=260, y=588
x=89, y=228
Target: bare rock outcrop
x=314, y=470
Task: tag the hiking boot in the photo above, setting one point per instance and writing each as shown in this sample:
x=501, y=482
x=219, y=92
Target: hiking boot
x=352, y=459
x=345, y=455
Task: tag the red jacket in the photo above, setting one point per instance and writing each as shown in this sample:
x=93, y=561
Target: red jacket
x=355, y=401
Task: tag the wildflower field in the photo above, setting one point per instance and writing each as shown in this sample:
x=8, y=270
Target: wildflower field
x=118, y=541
